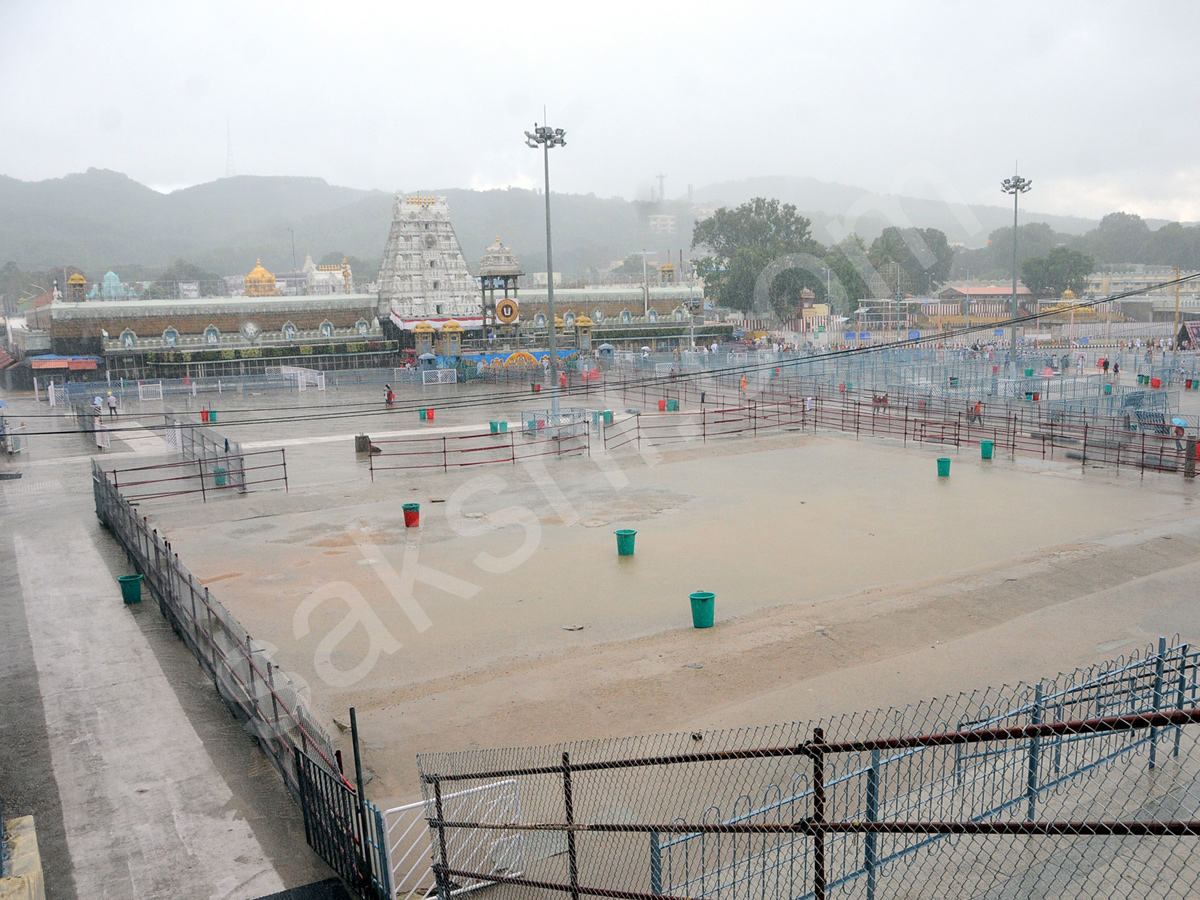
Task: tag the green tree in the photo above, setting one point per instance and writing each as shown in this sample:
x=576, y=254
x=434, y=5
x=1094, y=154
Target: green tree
x=743, y=241
x=848, y=282
x=1120, y=238
x=1033, y=239
x=631, y=266
x=1058, y=270
x=922, y=254
x=1174, y=245
x=165, y=286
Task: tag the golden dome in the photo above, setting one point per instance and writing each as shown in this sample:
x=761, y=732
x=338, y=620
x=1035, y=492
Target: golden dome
x=451, y=326
x=423, y=328
x=583, y=322
x=1068, y=294
x=260, y=282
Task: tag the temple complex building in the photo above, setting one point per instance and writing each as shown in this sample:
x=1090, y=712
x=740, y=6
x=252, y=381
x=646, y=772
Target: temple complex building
x=424, y=276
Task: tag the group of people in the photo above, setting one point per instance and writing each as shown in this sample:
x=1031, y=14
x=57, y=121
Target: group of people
x=100, y=404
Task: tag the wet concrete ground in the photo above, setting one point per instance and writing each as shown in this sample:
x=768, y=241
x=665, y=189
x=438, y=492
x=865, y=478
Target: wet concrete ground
x=848, y=576
x=832, y=560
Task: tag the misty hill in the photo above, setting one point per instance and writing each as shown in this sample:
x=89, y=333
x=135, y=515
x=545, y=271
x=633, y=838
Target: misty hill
x=102, y=219
x=835, y=208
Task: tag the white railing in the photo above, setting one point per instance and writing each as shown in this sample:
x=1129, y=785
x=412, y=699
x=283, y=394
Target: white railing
x=150, y=390
x=439, y=376
x=13, y=437
x=304, y=378
x=410, y=848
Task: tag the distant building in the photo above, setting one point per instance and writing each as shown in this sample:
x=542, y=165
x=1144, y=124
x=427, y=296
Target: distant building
x=260, y=283
x=424, y=273
x=662, y=223
x=334, y=279
x=111, y=288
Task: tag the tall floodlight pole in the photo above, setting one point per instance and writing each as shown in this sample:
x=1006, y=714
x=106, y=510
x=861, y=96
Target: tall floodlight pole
x=1015, y=186
x=548, y=137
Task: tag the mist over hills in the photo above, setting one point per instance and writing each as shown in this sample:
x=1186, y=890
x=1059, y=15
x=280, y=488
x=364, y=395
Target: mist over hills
x=102, y=219
x=837, y=209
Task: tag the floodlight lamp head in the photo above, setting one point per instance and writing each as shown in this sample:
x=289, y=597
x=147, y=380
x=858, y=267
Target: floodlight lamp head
x=1016, y=185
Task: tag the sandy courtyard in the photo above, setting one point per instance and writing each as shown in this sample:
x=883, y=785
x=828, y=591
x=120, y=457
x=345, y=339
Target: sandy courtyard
x=848, y=576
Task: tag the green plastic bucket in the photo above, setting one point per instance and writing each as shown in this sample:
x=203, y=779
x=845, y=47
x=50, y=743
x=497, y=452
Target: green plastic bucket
x=625, y=538
x=219, y=476
x=943, y=467
x=212, y=415
x=1029, y=373
x=703, y=604
x=985, y=451
x=131, y=588
x=422, y=412
x=608, y=417
x=503, y=426
x=495, y=426
x=672, y=406
x=1108, y=389
x=412, y=515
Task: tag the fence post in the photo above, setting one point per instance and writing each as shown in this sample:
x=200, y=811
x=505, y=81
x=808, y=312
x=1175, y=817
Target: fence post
x=655, y=864
x=200, y=466
x=364, y=849
x=569, y=804
x=872, y=815
x=445, y=462
x=283, y=460
x=1031, y=781
x=818, y=819
x=1179, y=696
x=443, y=880
x=274, y=702
x=1159, y=663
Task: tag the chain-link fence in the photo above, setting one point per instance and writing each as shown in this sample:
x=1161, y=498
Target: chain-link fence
x=1085, y=785
x=254, y=689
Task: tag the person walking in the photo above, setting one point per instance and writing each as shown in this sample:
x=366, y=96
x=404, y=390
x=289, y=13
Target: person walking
x=112, y=405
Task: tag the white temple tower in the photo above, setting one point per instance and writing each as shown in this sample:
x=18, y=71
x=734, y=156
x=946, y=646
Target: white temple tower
x=424, y=274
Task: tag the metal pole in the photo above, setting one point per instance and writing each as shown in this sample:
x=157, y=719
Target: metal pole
x=550, y=293
x=1012, y=336
x=1031, y=775
x=818, y=817
x=362, y=800
x=569, y=804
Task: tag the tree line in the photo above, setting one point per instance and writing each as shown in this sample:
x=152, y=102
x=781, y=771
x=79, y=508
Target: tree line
x=741, y=243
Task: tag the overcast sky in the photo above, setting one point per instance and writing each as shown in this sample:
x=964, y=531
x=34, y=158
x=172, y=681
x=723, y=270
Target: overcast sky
x=1096, y=100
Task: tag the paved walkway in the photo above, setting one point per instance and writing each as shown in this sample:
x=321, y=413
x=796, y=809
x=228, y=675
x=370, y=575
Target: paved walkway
x=141, y=783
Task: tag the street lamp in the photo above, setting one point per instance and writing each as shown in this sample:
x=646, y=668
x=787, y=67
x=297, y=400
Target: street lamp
x=1015, y=186
x=548, y=137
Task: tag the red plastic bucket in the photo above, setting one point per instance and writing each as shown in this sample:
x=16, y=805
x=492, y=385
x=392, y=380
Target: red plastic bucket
x=204, y=415
x=1156, y=383
x=662, y=405
x=429, y=414
x=412, y=515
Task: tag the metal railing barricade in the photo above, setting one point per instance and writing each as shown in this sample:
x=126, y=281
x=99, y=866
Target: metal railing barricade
x=1088, y=782
x=254, y=689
